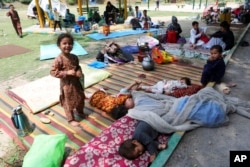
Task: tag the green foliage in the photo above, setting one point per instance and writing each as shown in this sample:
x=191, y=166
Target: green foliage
x=72, y=2
x=25, y=1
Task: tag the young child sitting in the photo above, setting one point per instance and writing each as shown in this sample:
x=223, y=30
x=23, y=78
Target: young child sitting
x=167, y=87
x=197, y=35
x=215, y=67
x=144, y=139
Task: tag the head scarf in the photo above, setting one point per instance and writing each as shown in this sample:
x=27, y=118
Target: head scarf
x=174, y=20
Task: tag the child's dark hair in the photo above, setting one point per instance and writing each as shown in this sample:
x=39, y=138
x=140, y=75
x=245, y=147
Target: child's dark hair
x=187, y=80
x=225, y=25
x=118, y=111
x=126, y=149
x=64, y=35
x=195, y=23
x=217, y=47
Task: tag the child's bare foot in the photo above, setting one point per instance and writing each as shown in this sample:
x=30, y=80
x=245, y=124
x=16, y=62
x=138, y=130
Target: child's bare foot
x=74, y=123
x=162, y=146
x=138, y=85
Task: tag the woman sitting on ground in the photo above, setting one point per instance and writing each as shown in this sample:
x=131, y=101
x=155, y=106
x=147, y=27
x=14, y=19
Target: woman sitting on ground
x=110, y=13
x=174, y=26
x=224, y=37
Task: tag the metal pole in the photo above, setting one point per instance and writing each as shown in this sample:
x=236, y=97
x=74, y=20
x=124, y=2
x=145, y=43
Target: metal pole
x=193, y=3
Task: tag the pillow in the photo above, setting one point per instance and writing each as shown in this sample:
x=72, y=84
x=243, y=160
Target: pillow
x=46, y=151
x=191, y=89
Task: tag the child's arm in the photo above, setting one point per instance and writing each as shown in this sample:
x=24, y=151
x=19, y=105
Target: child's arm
x=57, y=70
x=218, y=71
x=133, y=85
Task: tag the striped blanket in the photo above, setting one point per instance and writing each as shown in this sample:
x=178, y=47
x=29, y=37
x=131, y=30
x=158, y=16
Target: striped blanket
x=122, y=75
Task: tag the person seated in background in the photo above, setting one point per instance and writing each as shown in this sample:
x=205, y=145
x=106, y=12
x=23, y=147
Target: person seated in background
x=175, y=27
x=137, y=17
x=110, y=13
x=69, y=18
x=197, y=35
x=215, y=67
x=224, y=37
x=212, y=15
x=96, y=17
x=145, y=20
x=144, y=139
x=36, y=14
x=48, y=10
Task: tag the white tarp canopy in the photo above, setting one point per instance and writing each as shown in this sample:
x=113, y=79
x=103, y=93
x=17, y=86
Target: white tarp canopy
x=61, y=7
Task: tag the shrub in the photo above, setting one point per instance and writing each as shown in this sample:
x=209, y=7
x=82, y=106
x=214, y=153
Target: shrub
x=25, y=1
x=71, y=2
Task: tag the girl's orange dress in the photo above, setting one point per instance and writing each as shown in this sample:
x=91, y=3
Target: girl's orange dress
x=105, y=102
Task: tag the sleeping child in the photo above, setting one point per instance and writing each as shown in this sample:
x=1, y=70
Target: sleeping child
x=144, y=139
x=121, y=102
x=167, y=87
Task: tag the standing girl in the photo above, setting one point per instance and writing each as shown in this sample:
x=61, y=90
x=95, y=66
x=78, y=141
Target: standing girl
x=15, y=20
x=66, y=67
x=57, y=19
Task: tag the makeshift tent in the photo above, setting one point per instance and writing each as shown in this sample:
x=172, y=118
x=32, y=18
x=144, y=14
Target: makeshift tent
x=125, y=14
x=61, y=8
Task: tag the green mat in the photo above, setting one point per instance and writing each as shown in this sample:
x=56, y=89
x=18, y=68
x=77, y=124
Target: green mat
x=51, y=51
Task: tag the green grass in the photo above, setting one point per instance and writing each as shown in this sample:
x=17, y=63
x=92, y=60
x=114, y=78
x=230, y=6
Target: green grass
x=28, y=65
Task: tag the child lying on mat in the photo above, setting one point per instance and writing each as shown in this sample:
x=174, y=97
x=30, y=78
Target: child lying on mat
x=107, y=103
x=144, y=138
x=167, y=87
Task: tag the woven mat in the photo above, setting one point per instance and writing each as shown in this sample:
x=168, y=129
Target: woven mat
x=12, y=50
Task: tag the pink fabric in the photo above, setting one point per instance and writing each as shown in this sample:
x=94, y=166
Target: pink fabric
x=102, y=151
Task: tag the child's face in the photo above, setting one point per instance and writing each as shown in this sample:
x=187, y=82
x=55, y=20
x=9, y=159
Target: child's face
x=196, y=26
x=66, y=45
x=129, y=103
x=138, y=150
x=183, y=81
x=214, y=54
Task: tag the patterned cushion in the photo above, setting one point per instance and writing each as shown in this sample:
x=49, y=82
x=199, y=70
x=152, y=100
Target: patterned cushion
x=102, y=151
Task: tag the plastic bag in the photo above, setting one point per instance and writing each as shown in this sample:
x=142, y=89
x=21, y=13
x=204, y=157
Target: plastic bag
x=46, y=151
x=161, y=56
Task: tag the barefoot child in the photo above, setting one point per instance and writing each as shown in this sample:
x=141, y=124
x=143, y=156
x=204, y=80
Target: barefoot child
x=66, y=67
x=144, y=138
x=215, y=67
